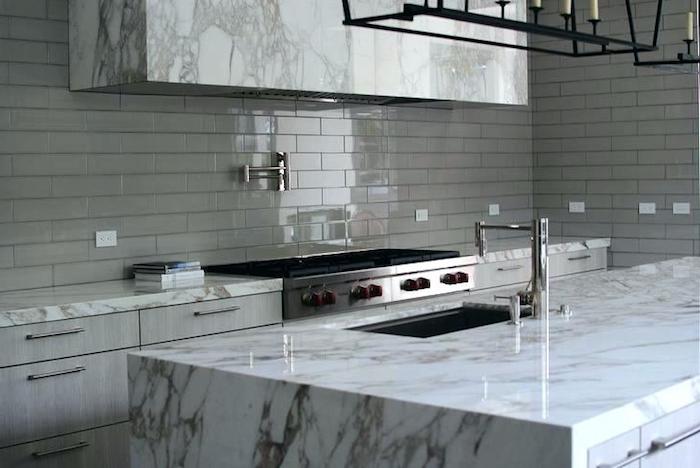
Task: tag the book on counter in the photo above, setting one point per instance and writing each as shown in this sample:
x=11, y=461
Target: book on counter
x=169, y=274
x=164, y=268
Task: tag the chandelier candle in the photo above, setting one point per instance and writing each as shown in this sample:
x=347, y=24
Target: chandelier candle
x=594, y=10
x=566, y=7
x=689, y=33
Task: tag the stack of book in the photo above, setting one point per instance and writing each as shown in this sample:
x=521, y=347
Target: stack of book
x=168, y=275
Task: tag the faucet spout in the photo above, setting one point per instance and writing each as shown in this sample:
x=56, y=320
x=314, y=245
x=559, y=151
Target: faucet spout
x=539, y=280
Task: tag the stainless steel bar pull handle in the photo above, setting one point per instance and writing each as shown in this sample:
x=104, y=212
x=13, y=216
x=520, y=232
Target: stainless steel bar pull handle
x=512, y=268
x=217, y=311
x=657, y=445
x=632, y=456
x=70, y=331
x=46, y=375
x=67, y=448
x=663, y=443
x=582, y=257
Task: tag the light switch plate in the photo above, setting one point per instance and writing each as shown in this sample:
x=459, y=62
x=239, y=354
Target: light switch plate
x=421, y=216
x=105, y=239
x=647, y=208
x=681, y=208
x=577, y=207
x=494, y=209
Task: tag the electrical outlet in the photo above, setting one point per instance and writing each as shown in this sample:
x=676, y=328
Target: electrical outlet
x=495, y=209
x=577, y=207
x=105, y=239
x=421, y=216
x=682, y=208
x=647, y=208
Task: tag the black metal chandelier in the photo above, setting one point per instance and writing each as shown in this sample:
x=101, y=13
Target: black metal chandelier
x=601, y=45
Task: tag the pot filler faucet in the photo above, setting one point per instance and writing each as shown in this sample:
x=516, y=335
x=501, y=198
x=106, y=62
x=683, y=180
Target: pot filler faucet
x=538, y=294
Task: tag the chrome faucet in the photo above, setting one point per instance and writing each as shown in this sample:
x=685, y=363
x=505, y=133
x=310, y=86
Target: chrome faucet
x=538, y=294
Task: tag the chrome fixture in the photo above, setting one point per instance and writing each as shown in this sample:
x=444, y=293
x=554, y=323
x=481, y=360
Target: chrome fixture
x=280, y=172
x=513, y=308
x=436, y=8
x=538, y=294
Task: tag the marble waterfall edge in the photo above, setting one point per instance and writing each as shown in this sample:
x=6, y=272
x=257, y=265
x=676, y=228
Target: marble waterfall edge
x=184, y=416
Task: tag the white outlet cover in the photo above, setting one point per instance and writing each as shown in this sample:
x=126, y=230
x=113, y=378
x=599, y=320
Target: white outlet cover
x=577, y=207
x=494, y=209
x=421, y=216
x=105, y=239
x=647, y=208
x=681, y=208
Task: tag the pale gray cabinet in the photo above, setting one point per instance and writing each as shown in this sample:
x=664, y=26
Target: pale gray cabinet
x=177, y=322
x=61, y=396
x=497, y=274
x=582, y=261
x=672, y=441
x=65, y=338
x=614, y=450
x=104, y=447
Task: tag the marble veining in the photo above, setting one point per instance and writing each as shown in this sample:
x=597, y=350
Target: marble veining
x=629, y=354
x=269, y=44
x=84, y=300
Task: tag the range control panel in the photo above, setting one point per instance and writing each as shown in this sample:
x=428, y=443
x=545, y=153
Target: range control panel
x=319, y=299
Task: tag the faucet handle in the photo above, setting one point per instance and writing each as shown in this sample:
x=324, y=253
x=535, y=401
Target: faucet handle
x=513, y=308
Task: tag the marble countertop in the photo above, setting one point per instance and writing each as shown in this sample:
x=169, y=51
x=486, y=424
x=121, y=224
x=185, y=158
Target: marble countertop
x=83, y=300
x=629, y=354
x=72, y=301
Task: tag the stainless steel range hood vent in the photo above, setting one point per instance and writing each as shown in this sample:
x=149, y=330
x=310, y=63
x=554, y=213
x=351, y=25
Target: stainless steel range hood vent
x=284, y=49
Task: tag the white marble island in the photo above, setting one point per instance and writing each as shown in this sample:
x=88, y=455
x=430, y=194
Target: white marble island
x=317, y=394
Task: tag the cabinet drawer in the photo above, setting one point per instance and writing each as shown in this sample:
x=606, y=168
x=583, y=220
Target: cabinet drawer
x=105, y=447
x=52, y=340
x=614, y=450
x=203, y=318
x=673, y=440
x=570, y=263
x=491, y=275
x=66, y=395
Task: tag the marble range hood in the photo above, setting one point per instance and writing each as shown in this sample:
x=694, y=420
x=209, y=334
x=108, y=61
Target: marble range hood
x=285, y=48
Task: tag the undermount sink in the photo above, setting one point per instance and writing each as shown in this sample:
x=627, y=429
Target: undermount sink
x=440, y=323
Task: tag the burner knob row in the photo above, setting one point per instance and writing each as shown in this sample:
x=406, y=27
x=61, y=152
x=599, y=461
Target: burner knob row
x=367, y=292
x=455, y=278
x=318, y=299
x=415, y=284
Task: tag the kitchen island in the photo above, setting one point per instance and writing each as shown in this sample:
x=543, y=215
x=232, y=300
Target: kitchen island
x=545, y=395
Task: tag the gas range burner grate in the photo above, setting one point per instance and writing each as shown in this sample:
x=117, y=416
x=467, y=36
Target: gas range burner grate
x=296, y=267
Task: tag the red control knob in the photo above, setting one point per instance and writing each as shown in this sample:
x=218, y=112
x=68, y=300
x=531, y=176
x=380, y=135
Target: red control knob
x=423, y=283
x=360, y=292
x=375, y=290
x=449, y=278
x=462, y=277
x=410, y=285
x=312, y=299
x=329, y=297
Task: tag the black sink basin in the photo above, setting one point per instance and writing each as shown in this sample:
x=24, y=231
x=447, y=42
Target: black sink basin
x=440, y=323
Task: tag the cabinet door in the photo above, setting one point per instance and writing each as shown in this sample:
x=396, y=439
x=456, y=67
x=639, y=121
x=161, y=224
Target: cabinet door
x=57, y=397
x=614, y=450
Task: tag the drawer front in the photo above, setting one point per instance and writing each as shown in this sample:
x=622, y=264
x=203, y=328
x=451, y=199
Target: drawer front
x=491, y=275
x=674, y=439
x=204, y=318
x=614, y=451
x=570, y=263
x=105, y=447
x=53, y=340
x=66, y=395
